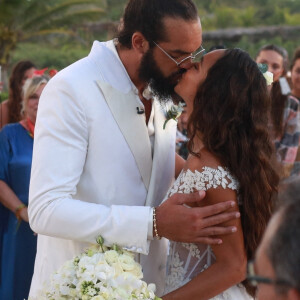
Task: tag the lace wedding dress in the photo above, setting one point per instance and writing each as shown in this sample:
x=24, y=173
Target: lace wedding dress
x=185, y=261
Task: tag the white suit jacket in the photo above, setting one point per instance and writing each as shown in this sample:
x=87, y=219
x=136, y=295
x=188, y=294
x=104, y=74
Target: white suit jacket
x=93, y=172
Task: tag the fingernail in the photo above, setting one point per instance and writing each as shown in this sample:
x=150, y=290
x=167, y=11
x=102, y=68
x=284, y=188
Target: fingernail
x=232, y=203
x=201, y=193
x=220, y=242
x=233, y=229
x=237, y=215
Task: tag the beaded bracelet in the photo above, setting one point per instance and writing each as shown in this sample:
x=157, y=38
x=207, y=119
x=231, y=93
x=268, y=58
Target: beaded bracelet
x=154, y=225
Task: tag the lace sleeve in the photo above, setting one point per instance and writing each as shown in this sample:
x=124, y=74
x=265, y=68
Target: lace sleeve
x=189, y=181
x=187, y=260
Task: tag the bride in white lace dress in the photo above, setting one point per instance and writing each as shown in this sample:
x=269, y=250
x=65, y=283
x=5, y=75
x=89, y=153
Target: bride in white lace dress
x=227, y=99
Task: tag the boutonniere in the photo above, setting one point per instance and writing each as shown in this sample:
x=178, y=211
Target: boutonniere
x=173, y=113
x=268, y=75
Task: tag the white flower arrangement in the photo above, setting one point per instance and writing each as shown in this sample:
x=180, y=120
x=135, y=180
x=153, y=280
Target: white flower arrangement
x=173, y=113
x=267, y=74
x=269, y=77
x=100, y=273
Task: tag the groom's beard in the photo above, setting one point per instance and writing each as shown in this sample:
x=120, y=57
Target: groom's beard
x=161, y=86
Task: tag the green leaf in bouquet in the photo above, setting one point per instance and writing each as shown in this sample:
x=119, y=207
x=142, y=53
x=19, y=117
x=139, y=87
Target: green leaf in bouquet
x=76, y=261
x=100, y=240
x=116, y=248
x=89, y=288
x=90, y=252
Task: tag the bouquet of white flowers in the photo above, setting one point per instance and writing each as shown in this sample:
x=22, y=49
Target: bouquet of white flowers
x=100, y=273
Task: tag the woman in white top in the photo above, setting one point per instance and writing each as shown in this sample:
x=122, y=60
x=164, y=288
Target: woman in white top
x=230, y=158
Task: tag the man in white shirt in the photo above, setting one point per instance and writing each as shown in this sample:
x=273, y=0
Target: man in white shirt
x=102, y=162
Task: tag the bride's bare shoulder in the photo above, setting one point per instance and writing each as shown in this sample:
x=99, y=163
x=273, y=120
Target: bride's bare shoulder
x=205, y=159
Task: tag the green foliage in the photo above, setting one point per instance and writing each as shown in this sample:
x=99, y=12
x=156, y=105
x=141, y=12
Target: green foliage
x=21, y=20
x=292, y=19
x=233, y=13
x=3, y=96
x=52, y=57
x=252, y=47
x=226, y=17
x=115, y=9
x=247, y=17
x=51, y=33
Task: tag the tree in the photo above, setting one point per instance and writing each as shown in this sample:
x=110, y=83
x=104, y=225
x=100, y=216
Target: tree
x=21, y=20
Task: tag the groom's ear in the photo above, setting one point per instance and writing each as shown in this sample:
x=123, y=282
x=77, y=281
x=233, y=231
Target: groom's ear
x=139, y=43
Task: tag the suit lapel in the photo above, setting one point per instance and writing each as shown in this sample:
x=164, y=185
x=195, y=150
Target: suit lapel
x=163, y=170
x=132, y=125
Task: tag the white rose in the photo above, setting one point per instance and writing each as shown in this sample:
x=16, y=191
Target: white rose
x=98, y=298
x=127, y=262
x=111, y=256
x=152, y=287
x=122, y=293
x=137, y=271
x=129, y=265
x=174, y=109
x=269, y=77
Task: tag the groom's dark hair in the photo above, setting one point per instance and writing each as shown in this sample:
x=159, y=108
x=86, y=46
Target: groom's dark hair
x=146, y=17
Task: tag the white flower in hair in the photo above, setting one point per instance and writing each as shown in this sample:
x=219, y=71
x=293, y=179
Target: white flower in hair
x=268, y=75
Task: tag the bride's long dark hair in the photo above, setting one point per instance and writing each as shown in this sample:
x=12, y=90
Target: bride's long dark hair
x=231, y=115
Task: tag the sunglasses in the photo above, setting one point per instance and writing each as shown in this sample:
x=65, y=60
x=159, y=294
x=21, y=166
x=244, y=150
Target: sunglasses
x=194, y=57
x=255, y=279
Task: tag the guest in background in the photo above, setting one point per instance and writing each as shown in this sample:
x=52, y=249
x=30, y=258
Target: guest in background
x=295, y=80
x=295, y=74
x=285, y=118
x=10, y=109
x=275, y=271
x=276, y=58
x=18, y=241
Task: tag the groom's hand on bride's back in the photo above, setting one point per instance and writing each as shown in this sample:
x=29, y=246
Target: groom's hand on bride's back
x=180, y=219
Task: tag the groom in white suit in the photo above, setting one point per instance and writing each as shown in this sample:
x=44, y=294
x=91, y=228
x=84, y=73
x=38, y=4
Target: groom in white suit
x=102, y=160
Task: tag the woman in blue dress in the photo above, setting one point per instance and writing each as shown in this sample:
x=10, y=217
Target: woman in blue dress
x=18, y=246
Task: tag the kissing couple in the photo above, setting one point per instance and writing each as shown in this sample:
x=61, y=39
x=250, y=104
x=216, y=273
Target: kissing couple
x=104, y=165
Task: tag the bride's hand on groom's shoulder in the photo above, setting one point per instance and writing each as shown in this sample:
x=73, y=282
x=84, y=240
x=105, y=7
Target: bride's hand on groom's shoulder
x=178, y=219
